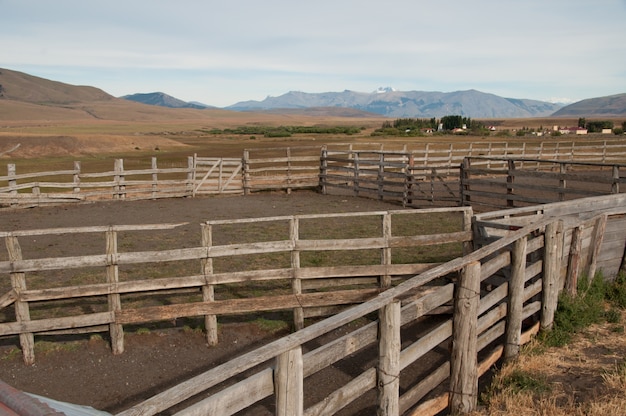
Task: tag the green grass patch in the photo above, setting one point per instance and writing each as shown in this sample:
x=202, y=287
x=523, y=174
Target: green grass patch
x=588, y=307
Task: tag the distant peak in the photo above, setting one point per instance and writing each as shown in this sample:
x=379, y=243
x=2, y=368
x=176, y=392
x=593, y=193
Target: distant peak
x=382, y=90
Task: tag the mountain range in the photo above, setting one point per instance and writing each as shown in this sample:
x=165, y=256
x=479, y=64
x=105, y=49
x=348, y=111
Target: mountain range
x=20, y=92
x=401, y=104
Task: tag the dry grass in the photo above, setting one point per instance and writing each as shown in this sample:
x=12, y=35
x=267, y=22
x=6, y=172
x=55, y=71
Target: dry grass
x=586, y=377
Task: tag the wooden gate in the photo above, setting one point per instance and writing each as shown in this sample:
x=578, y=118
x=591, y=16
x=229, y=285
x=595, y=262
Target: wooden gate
x=217, y=176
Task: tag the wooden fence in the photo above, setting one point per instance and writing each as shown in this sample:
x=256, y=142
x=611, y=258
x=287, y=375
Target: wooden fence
x=488, y=183
x=594, y=237
x=485, y=326
x=416, y=175
x=421, y=344
x=502, y=294
x=281, y=168
x=314, y=265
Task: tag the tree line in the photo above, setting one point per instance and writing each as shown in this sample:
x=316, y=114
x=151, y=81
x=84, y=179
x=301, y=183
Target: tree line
x=418, y=126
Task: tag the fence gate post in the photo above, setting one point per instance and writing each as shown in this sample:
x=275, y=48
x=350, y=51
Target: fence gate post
x=464, y=359
x=553, y=247
x=389, y=318
x=191, y=174
x=289, y=383
x=22, y=313
x=516, y=299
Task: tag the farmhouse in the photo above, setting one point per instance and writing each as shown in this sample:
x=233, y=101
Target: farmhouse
x=573, y=130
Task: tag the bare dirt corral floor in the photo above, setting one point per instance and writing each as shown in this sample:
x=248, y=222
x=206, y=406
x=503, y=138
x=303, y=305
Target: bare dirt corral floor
x=83, y=370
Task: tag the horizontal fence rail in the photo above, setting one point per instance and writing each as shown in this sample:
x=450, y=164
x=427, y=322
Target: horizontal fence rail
x=312, y=265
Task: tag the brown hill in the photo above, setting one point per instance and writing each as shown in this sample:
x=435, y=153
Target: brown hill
x=612, y=105
x=19, y=86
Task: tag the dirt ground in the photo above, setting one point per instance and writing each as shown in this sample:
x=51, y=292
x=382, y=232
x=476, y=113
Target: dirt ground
x=83, y=370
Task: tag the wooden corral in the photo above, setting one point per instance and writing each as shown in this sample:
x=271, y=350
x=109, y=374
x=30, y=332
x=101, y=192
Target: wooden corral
x=314, y=265
x=417, y=175
x=485, y=326
x=505, y=292
x=474, y=310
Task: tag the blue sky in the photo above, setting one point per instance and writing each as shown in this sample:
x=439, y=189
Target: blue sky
x=223, y=52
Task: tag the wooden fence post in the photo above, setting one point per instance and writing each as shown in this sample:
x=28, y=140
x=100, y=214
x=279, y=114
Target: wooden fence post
x=562, y=180
x=573, y=263
x=464, y=359
x=323, y=169
x=119, y=188
x=115, y=303
x=408, y=181
x=516, y=299
x=76, y=177
x=464, y=182
x=289, y=383
x=553, y=249
x=380, y=177
x=296, y=282
x=245, y=176
x=616, y=179
x=289, y=171
x=389, y=359
x=155, y=178
x=22, y=313
x=208, y=290
x=597, y=237
x=385, y=257
x=12, y=182
x=510, y=180
x=355, y=180
x=191, y=172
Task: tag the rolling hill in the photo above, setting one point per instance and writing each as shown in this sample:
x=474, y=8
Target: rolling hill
x=612, y=105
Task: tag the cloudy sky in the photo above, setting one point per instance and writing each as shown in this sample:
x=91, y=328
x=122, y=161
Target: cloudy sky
x=223, y=52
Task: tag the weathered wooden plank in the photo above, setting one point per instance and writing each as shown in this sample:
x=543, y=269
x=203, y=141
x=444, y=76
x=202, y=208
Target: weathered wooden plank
x=238, y=306
x=8, y=298
x=345, y=395
x=421, y=347
x=425, y=386
x=41, y=325
x=234, y=398
x=420, y=304
x=340, y=348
